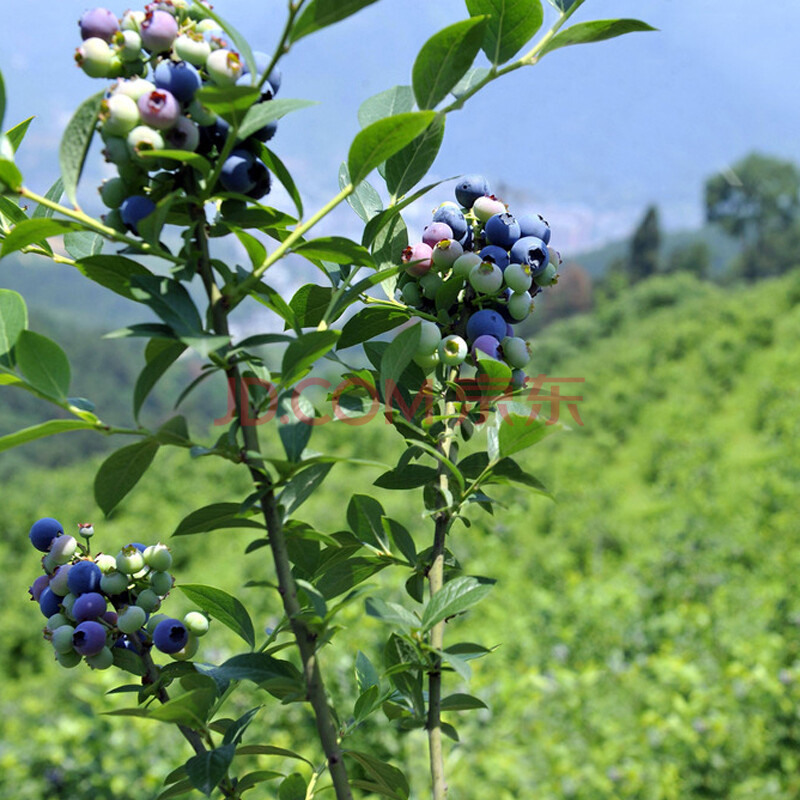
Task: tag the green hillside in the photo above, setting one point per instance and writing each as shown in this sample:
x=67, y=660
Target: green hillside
x=647, y=623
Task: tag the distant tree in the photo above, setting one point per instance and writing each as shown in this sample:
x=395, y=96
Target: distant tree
x=571, y=295
x=643, y=259
x=694, y=257
x=757, y=200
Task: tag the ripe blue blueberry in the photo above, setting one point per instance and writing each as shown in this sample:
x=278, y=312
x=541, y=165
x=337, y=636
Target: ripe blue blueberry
x=135, y=209
x=496, y=255
x=534, y=225
x=170, y=635
x=89, y=638
x=452, y=215
x=532, y=251
x=267, y=132
x=179, y=78
x=43, y=531
x=261, y=180
x=159, y=109
x=470, y=188
x=485, y=322
x=84, y=577
x=90, y=605
x=158, y=31
x=502, y=230
x=49, y=602
x=38, y=586
x=235, y=174
x=99, y=23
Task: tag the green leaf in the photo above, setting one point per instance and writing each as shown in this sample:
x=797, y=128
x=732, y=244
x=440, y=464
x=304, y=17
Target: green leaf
x=389, y=781
x=223, y=607
x=444, y=59
x=279, y=170
x=194, y=160
x=320, y=13
x=53, y=193
x=252, y=779
x=366, y=674
x=337, y=249
x=80, y=244
x=398, y=356
x=509, y=469
x=302, y=486
x=370, y=322
x=33, y=231
x=512, y=24
x=155, y=368
x=269, y=750
x=214, y=517
x=393, y=613
x=397, y=100
x=2, y=99
x=170, y=300
x=112, y=272
x=176, y=790
x=401, y=538
x=16, y=134
x=10, y=213
x=310, y=302
x=294, y=413
x=364, y=200
x=230, y=102
x=43, y=364
x=472, y=77
x=454, y=597
x=411, y=476
x=262, y=114
x=189, y=709
x=13, y=320
x=343, y=576
x=10, y=176
x=75, y=144
x=404, y=170
x=303, y=352
x=595, y=31
x=262, y=669
x=494, y=376
x=121, y=471
x=41, y=430
x=383, y=139
x=364, y=515
x=207, y=769
x=293, y=788
x=518, y=432
x=461, y=702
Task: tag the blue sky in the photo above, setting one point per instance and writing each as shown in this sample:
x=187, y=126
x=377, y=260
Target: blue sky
x=588, y=137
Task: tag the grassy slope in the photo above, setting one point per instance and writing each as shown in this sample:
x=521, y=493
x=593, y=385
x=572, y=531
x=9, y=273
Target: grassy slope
x=646, y=622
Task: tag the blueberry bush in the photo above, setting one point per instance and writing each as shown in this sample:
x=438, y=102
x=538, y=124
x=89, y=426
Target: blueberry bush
x=185, y=113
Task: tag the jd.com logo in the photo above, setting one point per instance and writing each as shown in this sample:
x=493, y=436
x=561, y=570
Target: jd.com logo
x=471, y=395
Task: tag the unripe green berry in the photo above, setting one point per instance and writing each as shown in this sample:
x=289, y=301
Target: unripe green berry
x=463, y=265
x=68, y=602
x=106, y=562
x=427, y=362
x=224, y=67
x=133, y=88
x=196, y=623
x=69, y=660
x=516, y=351
x=518, y=277
x=128, y=44
x=116, y=151
x=192, y=48
x=114, y=583
x=131, y=618
x=49, y=563
x=520, y=305
x=548, y=277
x=102, y=660
x=95, y=58
x=486, y=278
x=148, y=600
x=158, y=557
x=429, y=337
x=132, y=20
x=153, y=622
x=453, y=350
x=62, y=639
x=430, y=284
x=113, y=191
x=142, y=139
x=412, y=294
x=119, y=115
x=56, y=621
x=130, y=560
x=161, y=582
x=200, y=114
x=63, y=548
x=446, y=253
x=188, y=650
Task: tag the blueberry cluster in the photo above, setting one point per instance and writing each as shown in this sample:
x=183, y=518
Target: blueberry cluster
x=161, y=57
x=477, y=270
x=96, y=604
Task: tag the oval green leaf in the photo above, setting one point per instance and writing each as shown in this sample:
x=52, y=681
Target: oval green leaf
x=75, y=144
x=43, y=364
x=512, y=24
x=121, y=471
x=595, y=31
x=223, y=607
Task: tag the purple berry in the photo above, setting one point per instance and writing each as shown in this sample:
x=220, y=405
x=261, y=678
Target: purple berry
x=89, y=638
x=158, y=31
x=99, y=23
x=134, y=209
x=502, y=230
x=90, y=605
x=159, y=109
x=184, y=136
x=470, y=188
x=38, y=586
x=486, y=345
x=170, y=635
x=235, y=174
x=84, y=577
x=43, y=531
x=435, y=232
x=179, y=78
x=485, y=322
x=451, y=215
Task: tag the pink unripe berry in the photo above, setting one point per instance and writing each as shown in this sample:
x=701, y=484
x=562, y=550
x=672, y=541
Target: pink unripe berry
x=418, y=257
